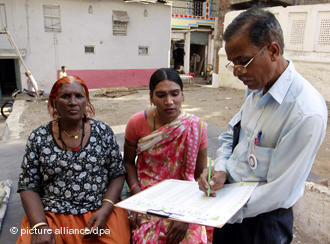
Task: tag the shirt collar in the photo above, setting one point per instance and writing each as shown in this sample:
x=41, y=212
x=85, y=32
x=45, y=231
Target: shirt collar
x=280, y=88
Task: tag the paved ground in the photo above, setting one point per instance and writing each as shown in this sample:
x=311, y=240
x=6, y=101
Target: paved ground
x=11, y=156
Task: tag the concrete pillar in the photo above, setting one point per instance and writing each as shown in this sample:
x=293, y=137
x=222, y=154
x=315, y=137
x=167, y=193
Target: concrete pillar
x=223, y=7
x=210, y=49
x=186, y=62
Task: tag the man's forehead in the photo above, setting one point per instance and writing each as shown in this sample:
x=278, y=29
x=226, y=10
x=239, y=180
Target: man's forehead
x=239, y=47
x=238, y=39
x=237, y=52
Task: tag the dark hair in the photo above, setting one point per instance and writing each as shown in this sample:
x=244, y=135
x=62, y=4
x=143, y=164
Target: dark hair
x=261, y=26
x=164, y=74
x=55, y=91
x=62, y=67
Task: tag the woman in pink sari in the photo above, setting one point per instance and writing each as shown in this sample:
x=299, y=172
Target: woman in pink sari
x=169, y=144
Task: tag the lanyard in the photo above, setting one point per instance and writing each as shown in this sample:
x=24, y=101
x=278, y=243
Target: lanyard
x=253, y=142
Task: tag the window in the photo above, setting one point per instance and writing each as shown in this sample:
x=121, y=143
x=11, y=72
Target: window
x=297, y=30
x=323, y=37
x=89, y=49
x=3, y=17
x=143, y=51
x=52, y=18
x=198, y=7
x=90, y=9
x=119, y=23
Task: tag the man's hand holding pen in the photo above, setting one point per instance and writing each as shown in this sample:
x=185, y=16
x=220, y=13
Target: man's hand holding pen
x=218, y=179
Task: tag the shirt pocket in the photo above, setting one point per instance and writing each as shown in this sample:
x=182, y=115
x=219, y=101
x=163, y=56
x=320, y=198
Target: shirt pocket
x=263, y=155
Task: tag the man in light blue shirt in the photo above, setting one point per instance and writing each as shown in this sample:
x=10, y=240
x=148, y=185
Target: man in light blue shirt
x=282, y=125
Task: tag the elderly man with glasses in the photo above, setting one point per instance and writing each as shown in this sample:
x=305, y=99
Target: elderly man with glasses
x=274, y=137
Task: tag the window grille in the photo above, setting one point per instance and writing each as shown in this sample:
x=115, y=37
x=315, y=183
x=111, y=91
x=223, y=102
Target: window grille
x=143, y=51
x=297, y=25
x=89, y=49
x=119, y=23
x=90, y=9
x=52, y=18
x=119, y=28
x=323, y=38
x=198, y=8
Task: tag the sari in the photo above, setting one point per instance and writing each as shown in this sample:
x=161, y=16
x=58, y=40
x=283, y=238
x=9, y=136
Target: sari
x=169, y=153
x=68, y=228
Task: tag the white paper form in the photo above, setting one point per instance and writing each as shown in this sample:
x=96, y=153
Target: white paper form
x=183, y=201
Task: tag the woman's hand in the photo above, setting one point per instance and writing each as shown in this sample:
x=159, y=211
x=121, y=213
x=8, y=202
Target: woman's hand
x=176, y=232
x=99, y=219
x=43, y=235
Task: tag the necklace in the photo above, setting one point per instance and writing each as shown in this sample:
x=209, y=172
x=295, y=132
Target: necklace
x=74, y=149
x=73, y=136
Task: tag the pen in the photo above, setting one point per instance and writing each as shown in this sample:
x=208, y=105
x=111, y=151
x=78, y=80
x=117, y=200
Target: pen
x=259, y=137
x=209, y=177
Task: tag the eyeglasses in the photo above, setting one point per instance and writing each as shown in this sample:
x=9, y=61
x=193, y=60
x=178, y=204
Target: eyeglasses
x=239, y=67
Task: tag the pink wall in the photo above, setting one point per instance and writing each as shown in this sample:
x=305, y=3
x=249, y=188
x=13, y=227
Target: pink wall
x=113, y=78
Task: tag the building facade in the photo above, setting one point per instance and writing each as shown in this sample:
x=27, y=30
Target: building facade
x=108, y=43
x=192, y=35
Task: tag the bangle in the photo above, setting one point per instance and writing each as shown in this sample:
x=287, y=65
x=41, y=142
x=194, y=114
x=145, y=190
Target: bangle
x=133, y=187
x=38, y=224
x=108, y=200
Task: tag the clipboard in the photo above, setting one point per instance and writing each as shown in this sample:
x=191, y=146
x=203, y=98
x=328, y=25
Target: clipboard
x=183, y=201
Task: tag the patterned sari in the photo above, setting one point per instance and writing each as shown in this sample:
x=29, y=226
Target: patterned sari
x=169, y=153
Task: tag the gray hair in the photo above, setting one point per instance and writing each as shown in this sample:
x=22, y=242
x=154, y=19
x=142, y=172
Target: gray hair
x=261, y=26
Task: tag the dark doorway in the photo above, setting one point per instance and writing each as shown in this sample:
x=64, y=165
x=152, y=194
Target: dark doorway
x=197, y=59
x=8, y=77
x=178, y=55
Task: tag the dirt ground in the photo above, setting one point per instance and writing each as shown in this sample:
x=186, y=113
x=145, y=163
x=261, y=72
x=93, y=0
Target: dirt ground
x=216, y=106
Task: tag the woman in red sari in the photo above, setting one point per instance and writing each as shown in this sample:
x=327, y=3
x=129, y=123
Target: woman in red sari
x=169, y=144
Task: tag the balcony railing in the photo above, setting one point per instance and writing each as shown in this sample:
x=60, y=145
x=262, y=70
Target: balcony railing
x=193, y=8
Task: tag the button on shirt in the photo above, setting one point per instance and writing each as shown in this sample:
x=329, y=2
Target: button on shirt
x=290, y=120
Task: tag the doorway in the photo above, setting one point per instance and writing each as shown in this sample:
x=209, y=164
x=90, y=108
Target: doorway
x=178, y=55
x=197, y=59
x=9, y=77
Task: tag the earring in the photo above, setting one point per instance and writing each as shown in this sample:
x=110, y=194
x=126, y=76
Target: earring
x=56, y=114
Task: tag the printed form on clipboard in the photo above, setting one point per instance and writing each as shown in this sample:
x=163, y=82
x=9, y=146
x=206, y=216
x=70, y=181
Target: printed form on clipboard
x=183, y=201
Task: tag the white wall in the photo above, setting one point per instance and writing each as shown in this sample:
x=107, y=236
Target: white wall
x=310, y=59
x=47, y=51
x=16, y=23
